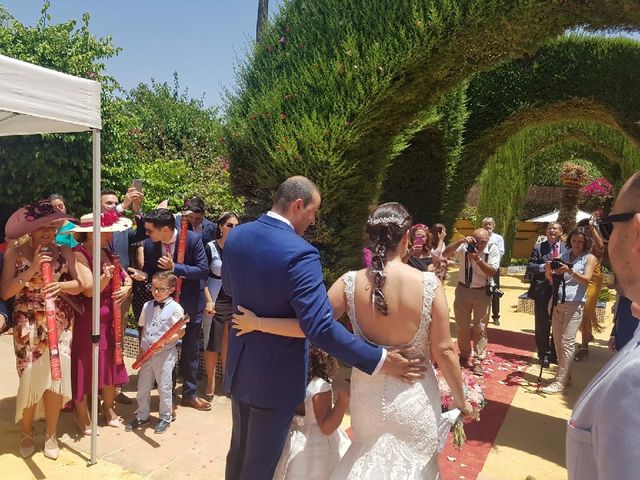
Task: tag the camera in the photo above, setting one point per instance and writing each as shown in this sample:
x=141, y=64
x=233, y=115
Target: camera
x=557, y=263
x=492, y=290
x=471, y=248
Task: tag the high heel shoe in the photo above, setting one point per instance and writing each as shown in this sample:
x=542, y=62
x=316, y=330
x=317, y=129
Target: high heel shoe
x=51, y=449
x=84, y=431
x=26, y=446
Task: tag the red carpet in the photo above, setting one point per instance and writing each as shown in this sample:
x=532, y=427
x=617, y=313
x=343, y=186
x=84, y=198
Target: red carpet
x=506, y=352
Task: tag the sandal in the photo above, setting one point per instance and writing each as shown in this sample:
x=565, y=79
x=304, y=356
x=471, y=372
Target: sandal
x=581, y=355
x=208, y=397
x=26, y=446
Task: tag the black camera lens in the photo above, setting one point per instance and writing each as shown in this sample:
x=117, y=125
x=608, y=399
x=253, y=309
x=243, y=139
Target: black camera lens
x=471, y=248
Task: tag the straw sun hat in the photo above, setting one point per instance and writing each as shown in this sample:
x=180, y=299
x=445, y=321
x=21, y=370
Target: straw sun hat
x=109, y=222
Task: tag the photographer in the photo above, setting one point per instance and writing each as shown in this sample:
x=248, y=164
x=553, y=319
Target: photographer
x=489, y=224
x=570, y=275
x=479, y=262
x=540, y=289
x=420, y=253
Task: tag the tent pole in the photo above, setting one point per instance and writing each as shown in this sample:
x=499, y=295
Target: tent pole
x=95, y=307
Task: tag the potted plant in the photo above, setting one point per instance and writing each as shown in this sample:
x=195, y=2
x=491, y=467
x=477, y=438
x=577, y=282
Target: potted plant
x=573, y=176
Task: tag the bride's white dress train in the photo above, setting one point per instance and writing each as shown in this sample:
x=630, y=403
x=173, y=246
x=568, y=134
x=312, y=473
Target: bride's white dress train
x=395, y=424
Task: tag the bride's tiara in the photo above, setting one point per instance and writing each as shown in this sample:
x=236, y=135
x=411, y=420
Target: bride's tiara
x=384, y=220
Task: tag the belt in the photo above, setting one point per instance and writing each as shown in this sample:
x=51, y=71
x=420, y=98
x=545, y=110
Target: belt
x=460, y=284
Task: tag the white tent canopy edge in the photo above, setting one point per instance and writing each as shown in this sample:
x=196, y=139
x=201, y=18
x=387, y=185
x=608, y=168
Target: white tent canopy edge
x=36, y=100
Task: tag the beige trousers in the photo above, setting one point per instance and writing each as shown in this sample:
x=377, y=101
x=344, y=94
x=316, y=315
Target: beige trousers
x=565, y=323
x=471, y=309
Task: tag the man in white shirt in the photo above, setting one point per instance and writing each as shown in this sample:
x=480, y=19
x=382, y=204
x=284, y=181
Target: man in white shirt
x=604, y=429
x=479, y=262
x=489, y=225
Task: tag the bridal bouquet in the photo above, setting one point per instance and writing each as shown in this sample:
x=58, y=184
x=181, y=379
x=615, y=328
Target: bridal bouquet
x=473, y=393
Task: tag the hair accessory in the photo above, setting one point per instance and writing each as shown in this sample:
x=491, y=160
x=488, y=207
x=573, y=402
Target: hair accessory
x=392, y=219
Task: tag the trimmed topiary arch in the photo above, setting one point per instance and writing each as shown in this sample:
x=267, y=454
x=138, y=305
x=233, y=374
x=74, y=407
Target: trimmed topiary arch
x=575, y=78
x=504, y=182
x=336, y=90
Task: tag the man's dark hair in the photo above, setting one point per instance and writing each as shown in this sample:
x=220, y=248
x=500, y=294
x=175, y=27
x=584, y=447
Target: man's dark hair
x=292, y=189
x=108, y=191
x=167, y=275
x=195, y=204
x=160, y=217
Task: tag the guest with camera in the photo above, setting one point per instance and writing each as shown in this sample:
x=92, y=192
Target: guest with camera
x=570, y=274
x=489, y=224
x=419, y=252
x=540, y=290
x=479, y=262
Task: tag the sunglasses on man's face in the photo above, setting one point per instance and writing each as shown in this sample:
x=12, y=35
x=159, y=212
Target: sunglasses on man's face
x=605, y=224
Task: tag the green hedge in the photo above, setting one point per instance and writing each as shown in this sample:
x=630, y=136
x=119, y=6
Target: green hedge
x=335, y=90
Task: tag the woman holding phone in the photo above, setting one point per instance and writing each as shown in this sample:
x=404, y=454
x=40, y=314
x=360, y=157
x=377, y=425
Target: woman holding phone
x=420, y=251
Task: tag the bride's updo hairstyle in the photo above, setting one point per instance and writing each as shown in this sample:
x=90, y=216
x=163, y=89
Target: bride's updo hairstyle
x=385, y=228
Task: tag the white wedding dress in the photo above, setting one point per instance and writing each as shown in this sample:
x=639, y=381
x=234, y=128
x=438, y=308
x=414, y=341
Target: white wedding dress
x=395, y=424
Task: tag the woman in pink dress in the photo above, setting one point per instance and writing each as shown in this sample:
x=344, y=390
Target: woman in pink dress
x=110, y=375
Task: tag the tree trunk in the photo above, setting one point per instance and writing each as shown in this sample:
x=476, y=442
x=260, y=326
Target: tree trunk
x=569, y=205
x=263, y=16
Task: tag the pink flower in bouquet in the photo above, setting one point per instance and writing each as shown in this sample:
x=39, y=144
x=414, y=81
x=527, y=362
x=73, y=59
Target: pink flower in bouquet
x=475, y=396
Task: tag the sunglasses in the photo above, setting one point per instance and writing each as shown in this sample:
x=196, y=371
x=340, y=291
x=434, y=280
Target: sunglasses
x=605, y=224
x=229, y=225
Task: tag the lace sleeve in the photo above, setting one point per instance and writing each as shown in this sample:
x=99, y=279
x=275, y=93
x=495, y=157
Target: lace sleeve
x=349, y=280
x=430, y=285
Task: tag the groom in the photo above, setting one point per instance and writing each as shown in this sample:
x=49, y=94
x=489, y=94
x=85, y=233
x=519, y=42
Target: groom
x=269, y=268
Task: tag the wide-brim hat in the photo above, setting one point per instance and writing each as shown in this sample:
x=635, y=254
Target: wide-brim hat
x=32, y=217
x=110, y=221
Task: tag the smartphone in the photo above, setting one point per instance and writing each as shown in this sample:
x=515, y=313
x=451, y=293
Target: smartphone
x=137, y=184
x=418, y=241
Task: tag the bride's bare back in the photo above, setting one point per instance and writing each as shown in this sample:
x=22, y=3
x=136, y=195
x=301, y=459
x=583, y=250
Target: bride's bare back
x=403, y=291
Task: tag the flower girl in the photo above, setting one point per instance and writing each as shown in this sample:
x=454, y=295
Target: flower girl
x=316, y=443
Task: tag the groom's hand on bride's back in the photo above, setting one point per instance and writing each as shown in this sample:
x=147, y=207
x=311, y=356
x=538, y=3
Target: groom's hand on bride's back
x=397, y=364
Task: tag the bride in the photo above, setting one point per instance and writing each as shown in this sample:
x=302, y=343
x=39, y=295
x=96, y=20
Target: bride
x=394, y=423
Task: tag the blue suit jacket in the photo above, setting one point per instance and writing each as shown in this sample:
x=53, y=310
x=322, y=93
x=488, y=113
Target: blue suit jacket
x=194, y=270
x=269, y=269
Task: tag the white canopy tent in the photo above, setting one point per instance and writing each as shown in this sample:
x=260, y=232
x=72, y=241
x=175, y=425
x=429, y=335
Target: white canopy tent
x=553, y=217
x=36, y=100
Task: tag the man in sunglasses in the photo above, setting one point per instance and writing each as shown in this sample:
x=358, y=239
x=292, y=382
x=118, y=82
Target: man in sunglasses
x=604, y=430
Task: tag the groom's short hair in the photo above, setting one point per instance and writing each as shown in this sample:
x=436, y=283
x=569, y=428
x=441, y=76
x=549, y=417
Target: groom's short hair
x=292, y=189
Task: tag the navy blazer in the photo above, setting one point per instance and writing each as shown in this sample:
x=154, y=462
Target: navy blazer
x=194, y=271
x=271, y=270
x=208, y=228
x=540, y=288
